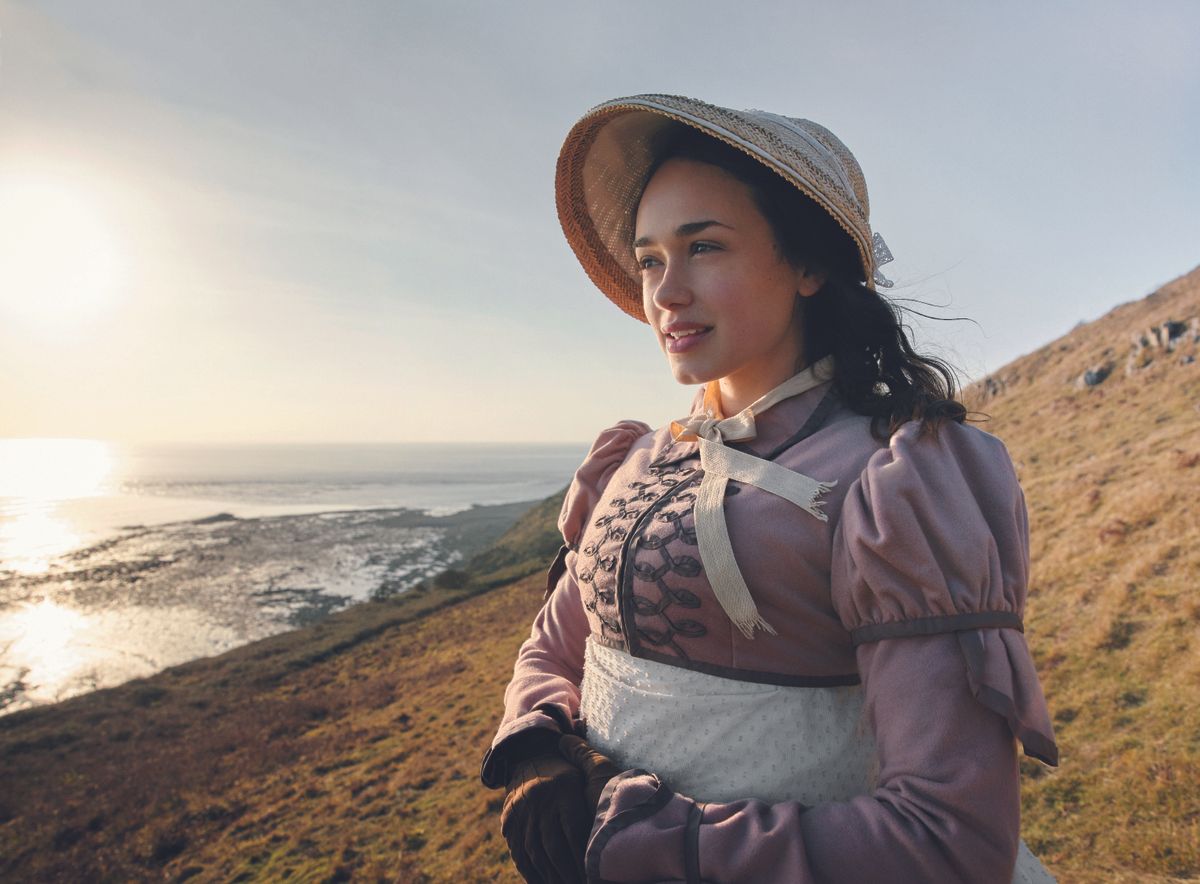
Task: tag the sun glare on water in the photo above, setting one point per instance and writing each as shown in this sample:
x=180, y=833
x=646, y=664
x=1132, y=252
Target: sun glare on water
x=59, y=261
x=35, y=476
x=41, y=636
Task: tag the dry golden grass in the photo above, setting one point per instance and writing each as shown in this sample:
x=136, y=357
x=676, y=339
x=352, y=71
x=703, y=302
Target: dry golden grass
x=1112, y=477
x=277, y=761
x=350, y=750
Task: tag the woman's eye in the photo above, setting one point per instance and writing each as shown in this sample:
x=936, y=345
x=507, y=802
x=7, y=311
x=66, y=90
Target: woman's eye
x=698, y=247
x=646, y=262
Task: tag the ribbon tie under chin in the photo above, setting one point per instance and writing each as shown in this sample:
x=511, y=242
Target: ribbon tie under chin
x=720, y=464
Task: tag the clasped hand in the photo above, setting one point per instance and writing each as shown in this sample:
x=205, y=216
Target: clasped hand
x=549, y=808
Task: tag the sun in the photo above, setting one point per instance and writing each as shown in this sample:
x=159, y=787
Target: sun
x=59, y=260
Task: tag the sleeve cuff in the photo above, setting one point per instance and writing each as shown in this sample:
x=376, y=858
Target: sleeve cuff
x=513, y=741
x=641, y=832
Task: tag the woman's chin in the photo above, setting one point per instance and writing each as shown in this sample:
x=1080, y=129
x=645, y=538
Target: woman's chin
x=689, y=375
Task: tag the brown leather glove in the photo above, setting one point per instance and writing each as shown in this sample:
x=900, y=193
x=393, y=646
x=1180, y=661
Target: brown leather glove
x=597, y=769
x=545, y=819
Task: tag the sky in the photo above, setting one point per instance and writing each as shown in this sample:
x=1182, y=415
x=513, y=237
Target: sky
x=297, y=221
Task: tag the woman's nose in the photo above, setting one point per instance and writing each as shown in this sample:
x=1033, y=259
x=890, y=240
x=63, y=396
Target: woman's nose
x=672, y=288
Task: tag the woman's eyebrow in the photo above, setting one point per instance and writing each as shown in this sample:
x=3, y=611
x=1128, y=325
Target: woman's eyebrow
x=691, y=227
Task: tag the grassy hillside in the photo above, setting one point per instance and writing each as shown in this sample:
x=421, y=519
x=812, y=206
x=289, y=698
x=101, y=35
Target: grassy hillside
x=525, y=548
x=1111, y=473
x=349, y=750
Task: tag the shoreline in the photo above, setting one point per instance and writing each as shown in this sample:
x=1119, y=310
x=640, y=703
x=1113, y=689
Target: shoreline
x=91, y=521
x=156, y=596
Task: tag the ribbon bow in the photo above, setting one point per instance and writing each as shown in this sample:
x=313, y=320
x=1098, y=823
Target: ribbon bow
x=720, y=464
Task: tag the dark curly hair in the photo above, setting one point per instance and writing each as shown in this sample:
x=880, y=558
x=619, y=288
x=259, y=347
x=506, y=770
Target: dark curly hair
x=877, y=372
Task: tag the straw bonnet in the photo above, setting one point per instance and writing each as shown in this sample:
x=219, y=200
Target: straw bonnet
x=608, y=154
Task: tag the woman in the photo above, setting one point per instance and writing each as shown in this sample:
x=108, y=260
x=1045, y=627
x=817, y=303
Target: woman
x=788, y=625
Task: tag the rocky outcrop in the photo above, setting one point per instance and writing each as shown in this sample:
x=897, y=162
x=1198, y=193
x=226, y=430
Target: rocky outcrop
x=1154, y=343
x=1095, y=375
x=1173, y=340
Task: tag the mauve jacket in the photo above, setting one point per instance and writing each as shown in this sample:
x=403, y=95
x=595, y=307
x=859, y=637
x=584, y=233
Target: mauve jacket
x=915, y=587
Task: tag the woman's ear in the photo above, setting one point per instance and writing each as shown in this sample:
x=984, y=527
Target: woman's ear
x=809, y=282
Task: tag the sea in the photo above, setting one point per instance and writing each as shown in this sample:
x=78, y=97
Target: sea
x=118, y=561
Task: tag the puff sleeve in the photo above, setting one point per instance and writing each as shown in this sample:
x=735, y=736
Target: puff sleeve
x=928, y=575
x=544, y=690
x=934, y=539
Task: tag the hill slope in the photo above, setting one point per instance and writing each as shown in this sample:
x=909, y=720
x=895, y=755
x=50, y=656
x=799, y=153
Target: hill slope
x=1104, y=425
x=349, y=750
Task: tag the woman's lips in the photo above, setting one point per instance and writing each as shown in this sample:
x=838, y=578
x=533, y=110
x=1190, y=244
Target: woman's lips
x=686, y=342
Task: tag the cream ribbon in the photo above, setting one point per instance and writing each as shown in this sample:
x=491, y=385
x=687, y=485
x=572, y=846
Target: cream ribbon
x=720, y=464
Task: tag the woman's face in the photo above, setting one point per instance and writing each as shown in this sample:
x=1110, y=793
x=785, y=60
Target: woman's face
x=717, y=291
